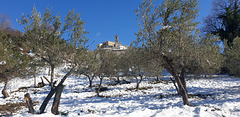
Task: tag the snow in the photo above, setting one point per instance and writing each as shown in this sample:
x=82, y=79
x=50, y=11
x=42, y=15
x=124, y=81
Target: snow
x=221, y=97
x=166, y=27
x=2, y=62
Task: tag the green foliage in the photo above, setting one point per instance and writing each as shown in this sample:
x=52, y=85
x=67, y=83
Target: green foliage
x=42, y=35
x=13, y=59
x=232, y=57
x=224, y=20
x=169, y=32
x=45, y=34
x=107, y=63
x=53, y=41
x=90, y=65
x=135, y=62
x=154, y=67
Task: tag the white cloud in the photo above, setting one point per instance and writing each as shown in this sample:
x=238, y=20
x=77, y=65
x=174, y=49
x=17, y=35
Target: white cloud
x=98, y=34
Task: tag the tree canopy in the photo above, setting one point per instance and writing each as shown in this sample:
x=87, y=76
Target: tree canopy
x=169, y=32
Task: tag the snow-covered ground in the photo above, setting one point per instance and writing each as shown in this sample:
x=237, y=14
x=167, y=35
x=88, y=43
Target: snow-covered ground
x=217, y=96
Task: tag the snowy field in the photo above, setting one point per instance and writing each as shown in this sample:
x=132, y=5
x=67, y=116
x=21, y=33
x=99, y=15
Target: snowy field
x=216, y=96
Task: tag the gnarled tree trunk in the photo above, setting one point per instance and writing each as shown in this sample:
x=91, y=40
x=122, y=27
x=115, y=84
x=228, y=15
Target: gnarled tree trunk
x=51, y=93
x=4, y=91
x=182, y=91
x=180, y=80
x=56, y=101
x=100, y=85
x=174, y=83
x=157, y=78
x=90, y=78
x=139, y=81
x=29, y=103
x=182, y=77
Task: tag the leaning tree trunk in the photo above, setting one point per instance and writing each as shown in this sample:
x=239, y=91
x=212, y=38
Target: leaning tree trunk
x=51, y=93
x=56, y=101
x=99, y=87
x=182, y=91
x=4, y=91
x=138, y=82
x=182, y=77
x=90, y=79
x=181, y=87
x=174, y=83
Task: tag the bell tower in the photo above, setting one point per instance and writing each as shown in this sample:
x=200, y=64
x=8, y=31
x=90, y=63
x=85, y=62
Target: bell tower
x=116, y=39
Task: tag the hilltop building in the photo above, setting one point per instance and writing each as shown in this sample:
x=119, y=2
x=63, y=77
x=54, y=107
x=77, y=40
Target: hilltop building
x=113, y=46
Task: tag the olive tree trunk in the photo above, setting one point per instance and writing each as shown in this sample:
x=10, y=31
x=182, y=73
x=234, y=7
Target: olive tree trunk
x=182, y=90
x=4, y=91
x=52, y=75
x=51, y=93
x=56, y=101
x=29, y=103
x=90, y=79
x=180, y=80
x=138, y=81
x=99, y=86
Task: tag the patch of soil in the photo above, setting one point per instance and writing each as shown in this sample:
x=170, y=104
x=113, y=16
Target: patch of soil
x=159, y=81
x=201, y=96
x=101, y=96
x=141, y=88
x=21, y=89
x=102, y=89
x=166, y=95
x=9, y=108
x=119, y=83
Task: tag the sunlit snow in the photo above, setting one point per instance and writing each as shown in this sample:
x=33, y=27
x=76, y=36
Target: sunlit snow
x=215, y=96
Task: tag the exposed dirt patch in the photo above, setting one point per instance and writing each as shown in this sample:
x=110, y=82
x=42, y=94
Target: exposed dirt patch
x=21, y=89
x=102, y=89
x=119, y=83
x=160, y=81
x=9, y=108
x=201, y=96
x=196, y=96
x=140, y=88
x=166, y=95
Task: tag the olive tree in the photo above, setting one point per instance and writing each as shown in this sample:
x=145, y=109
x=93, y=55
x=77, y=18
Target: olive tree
x=135, y=64
x=168, y=31
x=232, y=57
x=90, y=67
x=154, y=68
x=43, y=34
x=106, y=68
x=56, y=42
x=13, y=59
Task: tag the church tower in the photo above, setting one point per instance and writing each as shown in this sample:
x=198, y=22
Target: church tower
x=116, y=39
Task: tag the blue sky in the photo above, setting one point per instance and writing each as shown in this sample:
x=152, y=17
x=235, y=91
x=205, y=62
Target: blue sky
x=104, y=18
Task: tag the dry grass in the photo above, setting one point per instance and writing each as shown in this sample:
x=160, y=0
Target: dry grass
x=9, y=108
